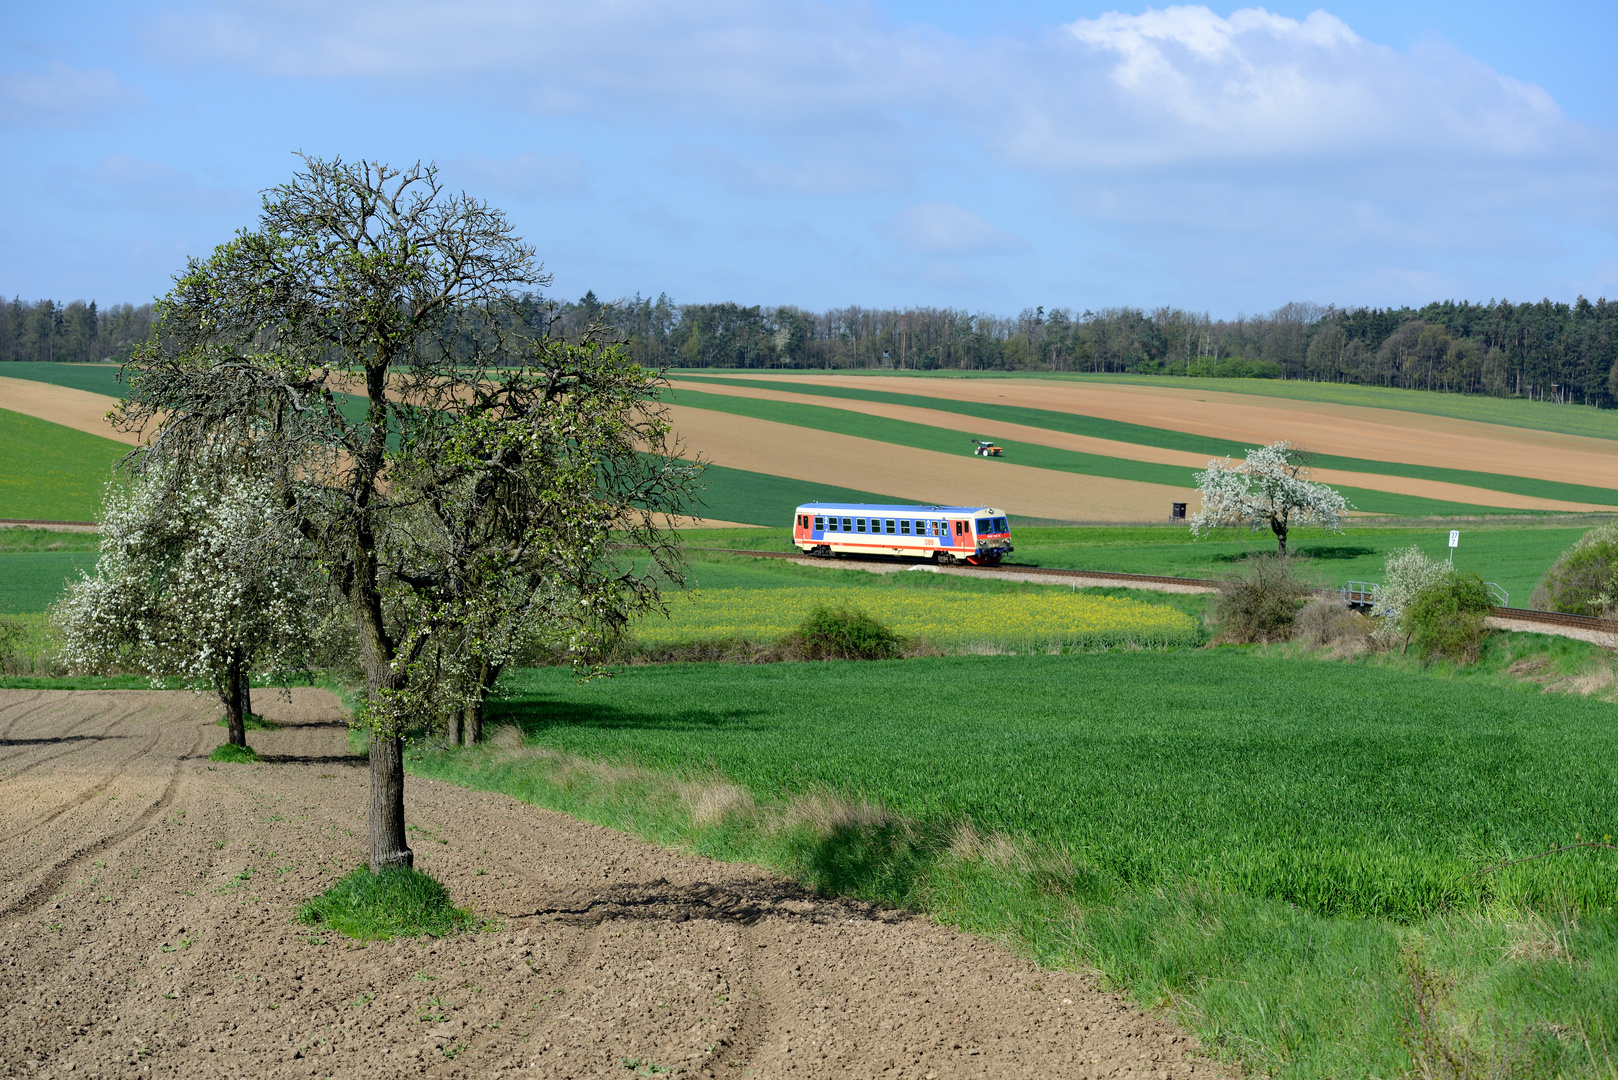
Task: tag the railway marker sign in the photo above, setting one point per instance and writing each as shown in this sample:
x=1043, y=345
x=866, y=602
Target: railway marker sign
x=1454, y=542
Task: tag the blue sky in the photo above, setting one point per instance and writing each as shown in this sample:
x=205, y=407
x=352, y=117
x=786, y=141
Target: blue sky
x=991, y=157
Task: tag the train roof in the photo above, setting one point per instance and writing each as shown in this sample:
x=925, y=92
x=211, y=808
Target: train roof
x=882, y=508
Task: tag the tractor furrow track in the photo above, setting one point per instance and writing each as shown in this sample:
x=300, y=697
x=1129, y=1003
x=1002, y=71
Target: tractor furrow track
x=1549, y=618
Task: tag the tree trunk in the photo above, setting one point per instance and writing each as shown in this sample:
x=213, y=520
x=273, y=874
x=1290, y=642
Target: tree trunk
x=1280, y=530
x=237, y=699
x=387, y=825
x=473, y=714
x=388, y=846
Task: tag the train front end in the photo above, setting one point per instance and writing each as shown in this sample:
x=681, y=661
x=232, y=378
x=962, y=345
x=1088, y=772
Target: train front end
x=992, y=536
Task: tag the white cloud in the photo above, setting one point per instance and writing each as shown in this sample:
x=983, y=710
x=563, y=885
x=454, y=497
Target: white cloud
x=125, y=182
x=937, y=228
x=62, y=96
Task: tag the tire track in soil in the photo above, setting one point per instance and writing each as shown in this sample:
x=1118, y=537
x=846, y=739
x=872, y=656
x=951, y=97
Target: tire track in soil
x=89, y=793
x=36, y=897
x=645, y=940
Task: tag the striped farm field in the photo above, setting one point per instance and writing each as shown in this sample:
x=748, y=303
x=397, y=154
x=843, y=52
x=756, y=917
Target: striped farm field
x=51, y=472
x=1133, y=444
x=1046, y=618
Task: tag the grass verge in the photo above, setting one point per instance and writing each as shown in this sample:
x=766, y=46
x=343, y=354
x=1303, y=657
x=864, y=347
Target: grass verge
x=398, y=902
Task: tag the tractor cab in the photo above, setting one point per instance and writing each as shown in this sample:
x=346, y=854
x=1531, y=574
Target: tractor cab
x=986, y=448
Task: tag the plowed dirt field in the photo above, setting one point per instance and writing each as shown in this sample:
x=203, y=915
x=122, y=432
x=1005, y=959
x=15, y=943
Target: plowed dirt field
x=147, y=898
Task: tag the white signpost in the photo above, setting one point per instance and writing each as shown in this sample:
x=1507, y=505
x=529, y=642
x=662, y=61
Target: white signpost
x=1454, y=542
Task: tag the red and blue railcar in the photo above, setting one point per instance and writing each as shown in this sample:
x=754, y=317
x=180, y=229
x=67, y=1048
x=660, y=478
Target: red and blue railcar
x=978, y=535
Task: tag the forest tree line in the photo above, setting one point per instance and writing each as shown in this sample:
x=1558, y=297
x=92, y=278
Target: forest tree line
x=76, y=332
x=1545, y=350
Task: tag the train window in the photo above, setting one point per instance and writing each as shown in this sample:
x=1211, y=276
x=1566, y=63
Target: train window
x=985, y=526
x=960, y=528
x=820, y=523
x=891, y=526
x=932, y=528
x=831, y=524
x=848, y=524
x=859, y=524
x=904, y=526
x=1000, y=525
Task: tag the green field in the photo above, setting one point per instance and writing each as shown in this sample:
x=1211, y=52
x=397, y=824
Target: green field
x=93, y=378
x=51, y=472
x=1514, y=556
x=1034, y=455
x=1511, y=412
x=1268, y=861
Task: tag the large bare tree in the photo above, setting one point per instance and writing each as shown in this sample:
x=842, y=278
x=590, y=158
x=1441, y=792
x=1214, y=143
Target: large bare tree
x=451, y=465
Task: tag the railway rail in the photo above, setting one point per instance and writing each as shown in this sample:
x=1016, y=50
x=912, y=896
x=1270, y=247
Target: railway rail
x=1547, y=618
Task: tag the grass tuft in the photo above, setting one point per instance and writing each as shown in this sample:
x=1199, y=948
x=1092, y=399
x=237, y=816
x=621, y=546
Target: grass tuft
x=236, y=755
x=398, y=902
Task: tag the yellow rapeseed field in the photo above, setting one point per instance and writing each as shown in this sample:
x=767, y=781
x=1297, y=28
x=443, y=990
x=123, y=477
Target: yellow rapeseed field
x=1047, y=617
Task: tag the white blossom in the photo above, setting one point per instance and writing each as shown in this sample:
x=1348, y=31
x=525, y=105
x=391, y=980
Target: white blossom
x=1270, y=489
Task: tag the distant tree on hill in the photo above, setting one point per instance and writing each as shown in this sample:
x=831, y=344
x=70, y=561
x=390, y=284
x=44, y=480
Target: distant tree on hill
x=1270, y=489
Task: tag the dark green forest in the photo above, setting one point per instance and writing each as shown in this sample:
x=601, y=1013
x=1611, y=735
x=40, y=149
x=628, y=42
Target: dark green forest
x=1545, y=350
x=1554, y=351
x=76, y=332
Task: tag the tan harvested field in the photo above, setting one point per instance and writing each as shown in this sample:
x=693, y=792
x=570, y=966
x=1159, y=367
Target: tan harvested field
x=1349, y=430
x=148, y=897
x=742, y=442
x=76, y=409
x=970, y=427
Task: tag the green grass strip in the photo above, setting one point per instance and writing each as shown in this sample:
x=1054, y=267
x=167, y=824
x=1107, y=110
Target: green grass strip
x=761, y=499
x=52, y=473
x=1142, y=435
x=1033, y=455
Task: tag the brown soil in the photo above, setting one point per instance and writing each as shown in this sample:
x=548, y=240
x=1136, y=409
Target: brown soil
x=924, y=475
x=972, y=428
x=1349, y=430
x=77, y=409
x=148, y=896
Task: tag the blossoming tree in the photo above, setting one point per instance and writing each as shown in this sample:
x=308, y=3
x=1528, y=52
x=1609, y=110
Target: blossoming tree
x=1270, y=489
x=198, y=579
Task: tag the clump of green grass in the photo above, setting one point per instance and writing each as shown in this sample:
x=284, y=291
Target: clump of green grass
x=235, y=755
x=252, y=722
x=398, y=902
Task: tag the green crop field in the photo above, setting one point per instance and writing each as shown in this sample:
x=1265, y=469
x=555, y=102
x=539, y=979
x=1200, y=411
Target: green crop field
x=51, y=472
x=94, y=378
x=1514, y=556
x=1511, y=412
x=1268, y=847
x=924, y=437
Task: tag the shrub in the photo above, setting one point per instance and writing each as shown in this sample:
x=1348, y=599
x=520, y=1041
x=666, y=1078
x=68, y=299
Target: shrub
x=1446, y=619
x=1325, y=623
x=843, y=633
x=1261, y=603
x=1584, y=580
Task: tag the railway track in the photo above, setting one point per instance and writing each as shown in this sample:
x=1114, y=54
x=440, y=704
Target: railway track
x=1547, y=618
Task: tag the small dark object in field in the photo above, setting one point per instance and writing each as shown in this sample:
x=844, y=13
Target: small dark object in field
x=1260, y=603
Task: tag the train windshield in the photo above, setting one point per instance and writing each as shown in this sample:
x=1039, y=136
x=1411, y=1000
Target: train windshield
x=991, y=525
